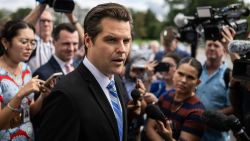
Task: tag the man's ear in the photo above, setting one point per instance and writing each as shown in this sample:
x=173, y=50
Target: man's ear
x=198, y=82
x=87, y=41
x=5, y=43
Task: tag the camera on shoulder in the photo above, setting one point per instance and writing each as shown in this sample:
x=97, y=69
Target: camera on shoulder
x=210, y=21
x=64, y=6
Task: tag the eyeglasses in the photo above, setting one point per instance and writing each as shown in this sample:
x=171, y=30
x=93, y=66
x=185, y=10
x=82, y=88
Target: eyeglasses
x=27, y=42
x=46, y=20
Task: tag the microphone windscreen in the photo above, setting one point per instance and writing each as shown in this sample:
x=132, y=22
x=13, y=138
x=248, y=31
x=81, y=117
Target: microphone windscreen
x=239, y=46
x=155, y=113
x=135, y=94
x=180, y=20
x=215, y=120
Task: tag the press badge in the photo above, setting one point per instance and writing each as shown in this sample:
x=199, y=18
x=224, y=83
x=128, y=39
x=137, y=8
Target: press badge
x=26, y=113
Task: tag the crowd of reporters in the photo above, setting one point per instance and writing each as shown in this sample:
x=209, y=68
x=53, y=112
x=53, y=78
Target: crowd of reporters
x=179, y=84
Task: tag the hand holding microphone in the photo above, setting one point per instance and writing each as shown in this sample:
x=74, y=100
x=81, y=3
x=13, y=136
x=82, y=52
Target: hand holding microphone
x=137, y=105
x=221, y=122
x=163, y=125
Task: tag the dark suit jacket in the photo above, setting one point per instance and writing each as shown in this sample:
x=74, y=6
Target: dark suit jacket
x=48, y=69
x=78, y=110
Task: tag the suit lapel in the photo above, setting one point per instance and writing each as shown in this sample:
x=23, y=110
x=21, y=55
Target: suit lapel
x=55, y=65
x=100, y=97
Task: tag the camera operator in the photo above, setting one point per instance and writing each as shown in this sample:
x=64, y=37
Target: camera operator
x=240, y=99
x=170, y=43
x=239, y=92
x=213, y=90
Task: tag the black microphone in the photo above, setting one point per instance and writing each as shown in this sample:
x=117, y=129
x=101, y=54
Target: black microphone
x=155, y=113
x=215, y=120
x=136, y=95
x=234, y=123
x=221, y=122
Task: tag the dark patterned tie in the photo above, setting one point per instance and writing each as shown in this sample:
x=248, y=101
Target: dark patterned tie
x=116, y=107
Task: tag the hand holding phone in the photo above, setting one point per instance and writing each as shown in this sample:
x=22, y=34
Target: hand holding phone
x=53, y=77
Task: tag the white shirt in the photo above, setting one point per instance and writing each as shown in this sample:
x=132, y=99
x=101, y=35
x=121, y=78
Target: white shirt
x=62, y=63
x=43, y=53
x=102, y=79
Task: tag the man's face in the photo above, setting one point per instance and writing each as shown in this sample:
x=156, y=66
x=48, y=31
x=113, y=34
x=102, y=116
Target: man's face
x=170, y=46
x=214, y=50
x=111, y=47
x=66, y=45
x=46, y=24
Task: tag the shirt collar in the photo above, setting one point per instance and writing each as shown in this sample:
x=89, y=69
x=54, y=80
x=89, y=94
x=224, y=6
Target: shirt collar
x=62, y=63
x=102, y=79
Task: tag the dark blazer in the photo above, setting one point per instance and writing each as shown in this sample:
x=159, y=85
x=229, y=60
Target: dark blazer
x=78, y=110
x=48, y=69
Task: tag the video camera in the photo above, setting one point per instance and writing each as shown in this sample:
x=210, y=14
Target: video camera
x=64, y=6
x=211, y=21
x=241, y=67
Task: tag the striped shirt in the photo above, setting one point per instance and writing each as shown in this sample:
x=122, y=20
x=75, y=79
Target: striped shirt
x=41, y=54
x=185, y=115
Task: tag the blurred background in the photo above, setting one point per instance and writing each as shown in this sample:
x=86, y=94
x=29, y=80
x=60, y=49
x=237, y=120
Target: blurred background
x=150, y=17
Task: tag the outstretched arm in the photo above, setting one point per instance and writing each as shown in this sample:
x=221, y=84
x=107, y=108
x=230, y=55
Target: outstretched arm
x=34, y=15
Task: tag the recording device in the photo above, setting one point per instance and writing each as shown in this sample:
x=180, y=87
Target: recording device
x=162, y=67
x=52, y=77
x=155, y=113
x=215, y=120
x=139, y=68
x=221, y=122
x=241, y=67
x=234, y=123
x=64, y=6
x=136, y=95
x=187, y=27
x=210, y=21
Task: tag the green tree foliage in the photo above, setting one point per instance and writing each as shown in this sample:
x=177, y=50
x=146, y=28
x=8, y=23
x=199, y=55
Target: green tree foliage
x=146, y=25
x=153, y=25
x=1, y=14
x=20, y=13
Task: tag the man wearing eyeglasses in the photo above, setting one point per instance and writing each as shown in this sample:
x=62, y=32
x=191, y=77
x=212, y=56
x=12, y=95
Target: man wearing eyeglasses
x=43, y=22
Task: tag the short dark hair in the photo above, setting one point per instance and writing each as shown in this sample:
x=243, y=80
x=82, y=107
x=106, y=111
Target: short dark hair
x=168, y=34
x=95, y=15
x=174, y=56
x=193, y=62
x=10, y=30
x=63, y=26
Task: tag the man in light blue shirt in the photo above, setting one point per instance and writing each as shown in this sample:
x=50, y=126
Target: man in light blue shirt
x=212, y=90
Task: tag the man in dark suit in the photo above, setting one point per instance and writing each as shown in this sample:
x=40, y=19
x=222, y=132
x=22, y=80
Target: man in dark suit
x=82, y=106
x=66, y=41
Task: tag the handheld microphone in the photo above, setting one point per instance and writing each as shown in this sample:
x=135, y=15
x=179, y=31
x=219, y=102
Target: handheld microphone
x=221, y=122
x=215, y=120
x=239, y=46
x=155, y=113
x=234, y=123
x=136, y=95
